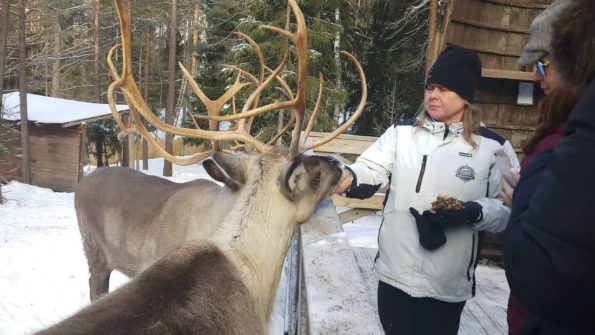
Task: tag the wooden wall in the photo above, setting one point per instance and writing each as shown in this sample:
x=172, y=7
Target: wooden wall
x=56, y=157
x=496, y=29
x=55, y=154
x=497, y=99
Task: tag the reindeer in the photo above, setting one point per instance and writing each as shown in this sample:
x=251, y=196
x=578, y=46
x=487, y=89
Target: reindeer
x=267, y=194
x=117, y=235
x=224, y=285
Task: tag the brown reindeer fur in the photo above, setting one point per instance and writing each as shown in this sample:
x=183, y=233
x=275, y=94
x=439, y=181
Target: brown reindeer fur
x=194, y=289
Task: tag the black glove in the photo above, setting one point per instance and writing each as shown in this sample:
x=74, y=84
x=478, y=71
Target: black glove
x=470, y=213
x=431, y=234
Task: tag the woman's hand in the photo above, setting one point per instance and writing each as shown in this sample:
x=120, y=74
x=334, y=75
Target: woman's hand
x=345, y=182
x=507, y=186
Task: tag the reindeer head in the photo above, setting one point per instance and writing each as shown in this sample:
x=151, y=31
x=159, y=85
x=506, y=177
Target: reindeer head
x=303, y=181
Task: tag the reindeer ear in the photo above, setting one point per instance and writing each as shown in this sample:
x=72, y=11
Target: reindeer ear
x=297, y=179
x=233, y=165
x=217, y=173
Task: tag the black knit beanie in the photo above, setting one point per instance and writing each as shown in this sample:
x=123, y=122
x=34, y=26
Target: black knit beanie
x=458, y=70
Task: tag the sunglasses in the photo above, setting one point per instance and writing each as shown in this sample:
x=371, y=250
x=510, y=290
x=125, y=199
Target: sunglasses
x=541, y=65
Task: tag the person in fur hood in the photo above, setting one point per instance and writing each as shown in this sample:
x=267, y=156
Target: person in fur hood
x=549, y=248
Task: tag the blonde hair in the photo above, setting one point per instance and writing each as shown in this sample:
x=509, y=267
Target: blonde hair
x=471, y=121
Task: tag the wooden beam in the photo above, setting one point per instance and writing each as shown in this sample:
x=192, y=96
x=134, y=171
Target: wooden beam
x=343, y=144
x=491, y=52
x=374, y=202
x=354, y=214
x=91, y=119
x=489, y=26
x=512, y=3
x=507, y=74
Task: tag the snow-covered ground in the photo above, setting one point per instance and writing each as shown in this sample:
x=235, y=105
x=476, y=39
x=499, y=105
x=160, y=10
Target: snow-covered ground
x=43, y=271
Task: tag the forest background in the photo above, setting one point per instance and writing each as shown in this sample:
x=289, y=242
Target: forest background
x=66, y=43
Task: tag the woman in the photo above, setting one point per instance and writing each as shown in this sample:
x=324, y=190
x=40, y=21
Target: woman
x=426, y=259
x=554, y=112
x=548, y=247
x=555, y=108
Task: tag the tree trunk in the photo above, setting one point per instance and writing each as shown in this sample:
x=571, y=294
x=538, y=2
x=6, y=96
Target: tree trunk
x=147, y=68
x=25, y=166
x=195, y=23
x=4, y=16
x=99, y=151
x=56, y=63
x=96, y=55
x=106, y=153
x=171, y=86
x=430, y=52
x=281, y=116
x=337, y=50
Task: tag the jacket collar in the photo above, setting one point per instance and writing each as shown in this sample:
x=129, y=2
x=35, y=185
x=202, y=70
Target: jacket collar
x=436, y=127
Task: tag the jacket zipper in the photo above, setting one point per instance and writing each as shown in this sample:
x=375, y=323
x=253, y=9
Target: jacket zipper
x=471, y=261
x=421, y=173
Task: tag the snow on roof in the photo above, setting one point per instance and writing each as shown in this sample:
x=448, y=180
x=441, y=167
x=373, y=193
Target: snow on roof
x=42, y=109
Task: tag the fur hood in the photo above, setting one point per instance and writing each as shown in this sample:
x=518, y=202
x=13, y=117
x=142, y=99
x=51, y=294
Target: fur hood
x=573, y=42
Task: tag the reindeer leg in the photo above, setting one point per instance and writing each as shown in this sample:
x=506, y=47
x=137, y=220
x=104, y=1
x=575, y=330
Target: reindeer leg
x=99, y=282
x=99, y=267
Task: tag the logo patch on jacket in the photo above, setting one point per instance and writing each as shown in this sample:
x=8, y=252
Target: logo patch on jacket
x=465, y=173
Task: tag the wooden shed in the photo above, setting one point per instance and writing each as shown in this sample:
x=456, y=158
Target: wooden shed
x=497, y=30
x=55, y=139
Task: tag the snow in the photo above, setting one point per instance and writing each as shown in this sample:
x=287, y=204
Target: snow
x=44, y=109
x=43, y=270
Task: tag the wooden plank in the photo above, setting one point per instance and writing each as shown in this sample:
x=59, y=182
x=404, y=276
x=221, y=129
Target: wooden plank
x=334, y=284
x=479, y=24
x=342, y=144
x=481, y=40
x=93, y=119
x=374, y=202
x=354, y=214
x=507, y=74
x=521, y=4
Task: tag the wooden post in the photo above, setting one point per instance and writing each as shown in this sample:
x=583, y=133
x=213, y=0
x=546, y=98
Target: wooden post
x=430, y=51
x=25, y=160
x=293, y=263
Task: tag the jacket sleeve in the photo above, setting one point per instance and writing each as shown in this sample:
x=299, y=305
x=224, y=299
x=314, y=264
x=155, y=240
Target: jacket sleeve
x=495, y=213
x=373, y=167
x=549, y=248
x=509, y=150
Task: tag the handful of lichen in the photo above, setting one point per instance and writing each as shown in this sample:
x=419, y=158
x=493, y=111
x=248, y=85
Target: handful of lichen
x=446, y=203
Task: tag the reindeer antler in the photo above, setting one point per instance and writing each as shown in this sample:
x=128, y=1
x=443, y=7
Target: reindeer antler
x=139, y=109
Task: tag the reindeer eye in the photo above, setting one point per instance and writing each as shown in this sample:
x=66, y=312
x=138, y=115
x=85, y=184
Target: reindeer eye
x=317, y=177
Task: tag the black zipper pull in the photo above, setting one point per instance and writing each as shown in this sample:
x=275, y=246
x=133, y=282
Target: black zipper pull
x=421, y=173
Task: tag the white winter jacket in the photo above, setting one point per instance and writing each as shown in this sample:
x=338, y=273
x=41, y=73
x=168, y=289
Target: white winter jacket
x=421, y=163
